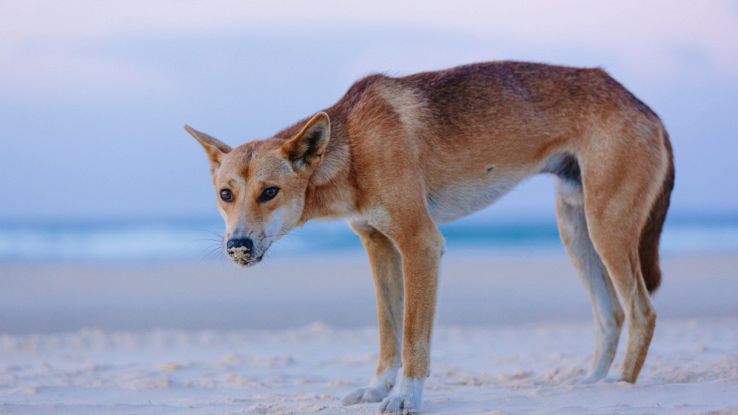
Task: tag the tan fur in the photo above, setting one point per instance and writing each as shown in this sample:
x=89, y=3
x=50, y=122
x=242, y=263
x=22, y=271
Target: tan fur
x=386, y=264
x=400, y=155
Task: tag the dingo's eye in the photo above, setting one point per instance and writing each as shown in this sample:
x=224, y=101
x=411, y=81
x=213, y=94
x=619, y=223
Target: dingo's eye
x=226, y=195
x=268, y=194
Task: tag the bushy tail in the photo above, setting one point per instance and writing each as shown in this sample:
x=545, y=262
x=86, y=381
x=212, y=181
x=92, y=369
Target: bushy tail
x=648, y=248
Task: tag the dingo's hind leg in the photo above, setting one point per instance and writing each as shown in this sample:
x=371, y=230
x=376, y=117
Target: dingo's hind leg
x=622, y=180
x=620, y=256
x=608, y=314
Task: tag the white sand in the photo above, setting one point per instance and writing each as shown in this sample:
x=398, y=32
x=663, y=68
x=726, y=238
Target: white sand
x=692, y=368
x=512, y=343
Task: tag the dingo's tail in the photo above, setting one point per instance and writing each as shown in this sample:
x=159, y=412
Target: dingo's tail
x=648, y=248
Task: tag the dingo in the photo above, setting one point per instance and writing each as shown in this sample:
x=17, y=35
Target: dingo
x=396, y=156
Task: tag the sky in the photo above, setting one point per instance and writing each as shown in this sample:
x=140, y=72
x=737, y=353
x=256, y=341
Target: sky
x=93, y=95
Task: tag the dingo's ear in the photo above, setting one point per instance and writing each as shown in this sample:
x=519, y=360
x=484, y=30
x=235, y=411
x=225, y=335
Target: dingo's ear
x=306, y=148
x=214, y=148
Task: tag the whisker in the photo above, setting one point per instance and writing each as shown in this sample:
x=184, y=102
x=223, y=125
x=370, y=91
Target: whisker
x=215, y=250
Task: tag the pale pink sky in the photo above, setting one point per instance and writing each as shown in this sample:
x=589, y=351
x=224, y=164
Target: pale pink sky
x=42, y=43
x=96, y=92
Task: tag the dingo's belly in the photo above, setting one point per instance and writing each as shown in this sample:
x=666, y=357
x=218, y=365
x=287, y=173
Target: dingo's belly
x=455, y=200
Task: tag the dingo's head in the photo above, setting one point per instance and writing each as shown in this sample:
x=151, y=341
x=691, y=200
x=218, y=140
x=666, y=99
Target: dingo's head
x=260, y=186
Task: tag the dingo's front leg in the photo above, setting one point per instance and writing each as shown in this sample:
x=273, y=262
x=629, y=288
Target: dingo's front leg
x=387, y=272
x=421, y=246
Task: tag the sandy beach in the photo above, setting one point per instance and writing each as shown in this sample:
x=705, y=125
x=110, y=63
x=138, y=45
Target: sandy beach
x=116, y=296
x=294, y=335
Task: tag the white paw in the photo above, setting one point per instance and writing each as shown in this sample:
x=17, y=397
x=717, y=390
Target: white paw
x=590, y=379
x=367, y=394
x=399, y=405
x=405, y=398
x=379, y=387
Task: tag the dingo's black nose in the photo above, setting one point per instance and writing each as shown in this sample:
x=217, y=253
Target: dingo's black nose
x=242, y=244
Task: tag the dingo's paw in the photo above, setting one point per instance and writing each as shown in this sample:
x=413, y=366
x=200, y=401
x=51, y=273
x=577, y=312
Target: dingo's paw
x=400, y=405
x=405, y=398
x=366, y=394
x=590, y=379
x=379, y=387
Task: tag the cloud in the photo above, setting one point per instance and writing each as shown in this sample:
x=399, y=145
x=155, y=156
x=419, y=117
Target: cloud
x=62, y=72
x=52, y=46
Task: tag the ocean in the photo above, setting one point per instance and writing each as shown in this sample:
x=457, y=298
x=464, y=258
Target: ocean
x=199, y=239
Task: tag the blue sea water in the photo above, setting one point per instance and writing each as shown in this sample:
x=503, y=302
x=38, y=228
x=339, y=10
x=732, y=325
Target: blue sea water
x=163, y=240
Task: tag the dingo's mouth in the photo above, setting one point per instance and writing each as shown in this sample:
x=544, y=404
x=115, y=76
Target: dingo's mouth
x=246, y=258
x=247, y=262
